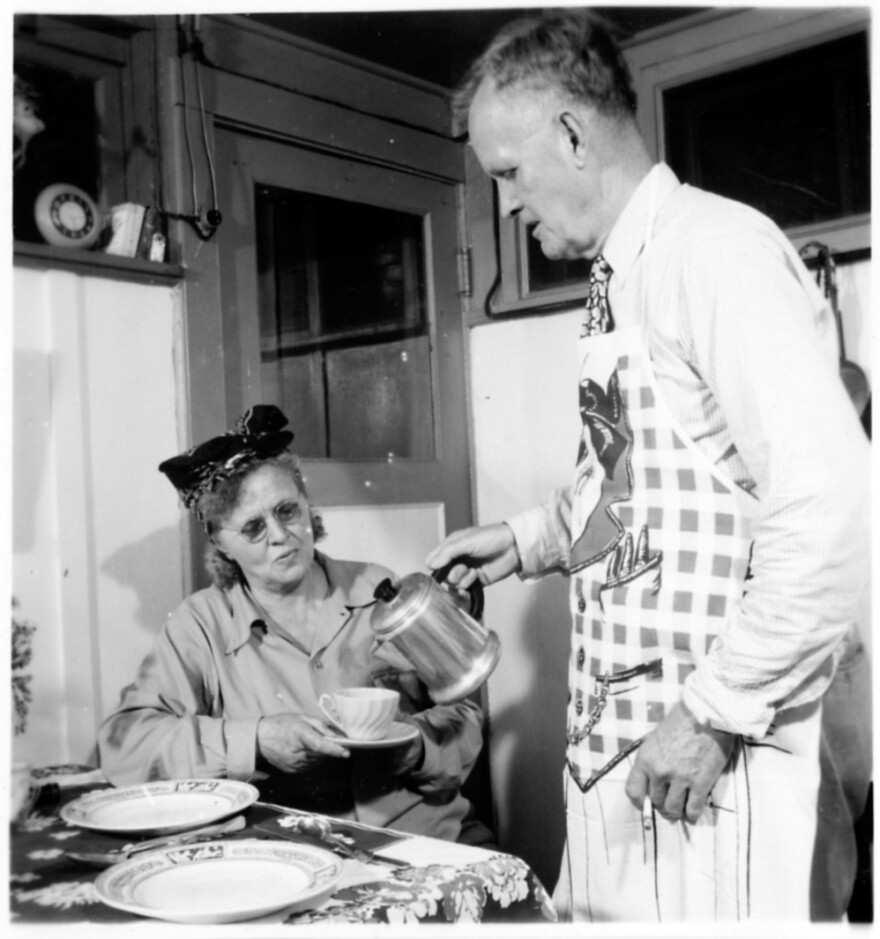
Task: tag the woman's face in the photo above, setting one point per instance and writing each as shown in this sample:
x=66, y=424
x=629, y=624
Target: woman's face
x=280, y=558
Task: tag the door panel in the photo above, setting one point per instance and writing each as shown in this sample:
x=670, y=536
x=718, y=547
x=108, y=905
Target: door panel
x=389, y=408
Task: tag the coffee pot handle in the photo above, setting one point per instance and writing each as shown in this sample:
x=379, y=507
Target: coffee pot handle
x=475, y=590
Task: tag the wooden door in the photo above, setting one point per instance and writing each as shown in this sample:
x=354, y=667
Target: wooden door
x=377, y=398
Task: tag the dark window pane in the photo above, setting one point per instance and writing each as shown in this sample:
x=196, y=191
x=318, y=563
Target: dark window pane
x=343, y=325
x=790, y=137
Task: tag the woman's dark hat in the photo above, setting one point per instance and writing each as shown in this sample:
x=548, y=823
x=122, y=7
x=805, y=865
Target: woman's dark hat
x=257, y=435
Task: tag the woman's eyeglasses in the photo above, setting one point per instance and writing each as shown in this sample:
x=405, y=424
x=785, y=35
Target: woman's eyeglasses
x=255, y=529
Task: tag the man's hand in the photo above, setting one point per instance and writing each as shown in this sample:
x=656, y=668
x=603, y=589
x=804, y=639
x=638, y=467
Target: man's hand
x=292, y=742
x=678, y=764
x=490, y=550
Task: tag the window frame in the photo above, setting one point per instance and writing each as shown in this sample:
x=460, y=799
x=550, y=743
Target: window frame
x=717, y=42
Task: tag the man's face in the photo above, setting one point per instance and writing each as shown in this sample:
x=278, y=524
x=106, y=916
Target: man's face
x=521, y=143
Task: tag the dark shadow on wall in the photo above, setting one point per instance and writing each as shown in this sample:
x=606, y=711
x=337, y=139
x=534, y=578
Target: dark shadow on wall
x=148, y=566
x=529, y=737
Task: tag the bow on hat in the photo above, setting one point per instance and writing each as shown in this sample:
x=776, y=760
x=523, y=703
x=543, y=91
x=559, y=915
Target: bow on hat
x=257, y=435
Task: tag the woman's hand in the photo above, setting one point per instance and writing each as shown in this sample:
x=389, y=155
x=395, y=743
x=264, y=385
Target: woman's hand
x=294, y=742
x=490, y=550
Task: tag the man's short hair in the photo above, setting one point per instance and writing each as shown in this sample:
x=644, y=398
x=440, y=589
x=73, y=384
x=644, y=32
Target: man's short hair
x=574, y=51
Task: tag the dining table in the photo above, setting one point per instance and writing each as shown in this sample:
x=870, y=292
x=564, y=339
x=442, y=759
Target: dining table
x=387, y=876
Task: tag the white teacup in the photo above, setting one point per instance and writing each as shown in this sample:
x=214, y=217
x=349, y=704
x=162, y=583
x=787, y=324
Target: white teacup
x=361, y=713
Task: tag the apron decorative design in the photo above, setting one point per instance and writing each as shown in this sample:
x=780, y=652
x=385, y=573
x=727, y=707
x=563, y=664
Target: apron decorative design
x=602, y=459
x=602, y=476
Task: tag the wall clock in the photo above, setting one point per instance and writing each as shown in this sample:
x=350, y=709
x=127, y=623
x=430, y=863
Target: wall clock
x=67, y=217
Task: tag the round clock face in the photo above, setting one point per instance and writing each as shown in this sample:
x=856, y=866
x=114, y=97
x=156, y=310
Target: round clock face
x=67, y=217
x=72, y=216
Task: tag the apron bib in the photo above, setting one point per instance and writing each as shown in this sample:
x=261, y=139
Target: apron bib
x=660, y=555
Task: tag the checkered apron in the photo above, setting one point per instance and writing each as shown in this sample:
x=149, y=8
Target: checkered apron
x=660, y=554
x=650, y=595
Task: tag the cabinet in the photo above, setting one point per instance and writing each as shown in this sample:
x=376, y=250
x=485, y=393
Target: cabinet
x=90, y=80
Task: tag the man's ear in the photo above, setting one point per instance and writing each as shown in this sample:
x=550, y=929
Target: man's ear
x=575, y=133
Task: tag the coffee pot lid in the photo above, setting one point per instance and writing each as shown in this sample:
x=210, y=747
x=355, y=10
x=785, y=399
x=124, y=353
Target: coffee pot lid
x=401, y=604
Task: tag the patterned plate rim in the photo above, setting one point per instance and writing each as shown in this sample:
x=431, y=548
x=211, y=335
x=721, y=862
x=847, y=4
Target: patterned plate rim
x=80, y=811
x=114, y=885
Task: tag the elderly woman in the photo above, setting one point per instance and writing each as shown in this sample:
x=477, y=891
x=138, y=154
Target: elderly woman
x=231, y=686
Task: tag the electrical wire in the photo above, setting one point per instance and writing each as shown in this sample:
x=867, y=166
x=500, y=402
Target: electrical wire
x=158, y=190
x=205, y=135
x=205, y=224
x=189, y=150
x=496, y=236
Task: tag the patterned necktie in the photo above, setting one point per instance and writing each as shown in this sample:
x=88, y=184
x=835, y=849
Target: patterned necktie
x=597, y=313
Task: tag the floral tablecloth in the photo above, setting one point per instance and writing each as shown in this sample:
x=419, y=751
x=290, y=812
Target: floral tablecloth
x=47, y=886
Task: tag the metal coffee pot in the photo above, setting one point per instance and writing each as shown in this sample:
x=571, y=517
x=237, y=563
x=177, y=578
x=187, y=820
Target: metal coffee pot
x=450, y=650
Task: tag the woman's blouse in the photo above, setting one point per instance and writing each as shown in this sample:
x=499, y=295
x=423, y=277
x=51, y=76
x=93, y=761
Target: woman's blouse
x=217, y=667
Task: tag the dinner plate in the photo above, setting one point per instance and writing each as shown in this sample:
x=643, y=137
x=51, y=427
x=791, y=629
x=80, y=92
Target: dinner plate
x=160, y=808
x=221, y=881
x=398, y=733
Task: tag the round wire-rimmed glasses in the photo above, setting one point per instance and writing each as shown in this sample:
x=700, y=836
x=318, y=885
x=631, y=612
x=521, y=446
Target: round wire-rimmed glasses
x=287, y=513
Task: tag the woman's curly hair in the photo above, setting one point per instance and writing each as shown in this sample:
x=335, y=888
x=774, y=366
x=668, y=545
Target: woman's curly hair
x=218, y=503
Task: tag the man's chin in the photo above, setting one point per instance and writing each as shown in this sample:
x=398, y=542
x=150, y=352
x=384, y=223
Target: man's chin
x=557, y=252
x=553, y=252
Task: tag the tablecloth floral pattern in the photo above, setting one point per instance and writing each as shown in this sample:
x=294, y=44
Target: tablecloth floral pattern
x=48, y=887
x=442, y=893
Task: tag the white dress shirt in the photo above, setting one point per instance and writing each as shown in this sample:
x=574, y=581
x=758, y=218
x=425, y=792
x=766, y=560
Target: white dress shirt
x=744, y=348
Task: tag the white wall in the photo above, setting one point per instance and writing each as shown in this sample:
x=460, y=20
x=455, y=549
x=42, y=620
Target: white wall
x=854, y=300
x=398, y=536
x=96, y=548
x=524, y=399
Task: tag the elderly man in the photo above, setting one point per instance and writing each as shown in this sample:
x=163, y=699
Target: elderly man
x=715, y=531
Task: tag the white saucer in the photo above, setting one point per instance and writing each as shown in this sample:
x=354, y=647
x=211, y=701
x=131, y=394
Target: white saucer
x=398, y=733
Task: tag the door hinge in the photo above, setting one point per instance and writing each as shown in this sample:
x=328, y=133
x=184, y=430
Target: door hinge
x=464, y=272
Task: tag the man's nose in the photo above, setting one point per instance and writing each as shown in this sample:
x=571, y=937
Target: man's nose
x=508, y=200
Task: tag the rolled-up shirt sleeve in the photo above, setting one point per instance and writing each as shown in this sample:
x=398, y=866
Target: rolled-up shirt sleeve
x=757, y=341
x=543, y=536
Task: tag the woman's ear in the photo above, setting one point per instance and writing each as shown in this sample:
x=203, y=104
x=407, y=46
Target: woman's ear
x=219, y=550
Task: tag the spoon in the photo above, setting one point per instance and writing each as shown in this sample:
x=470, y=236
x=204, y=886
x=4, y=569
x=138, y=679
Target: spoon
x=108, y=858
x=321, y=829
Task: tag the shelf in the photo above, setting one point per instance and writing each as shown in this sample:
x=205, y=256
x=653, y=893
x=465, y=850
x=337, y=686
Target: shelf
x=96, y=263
